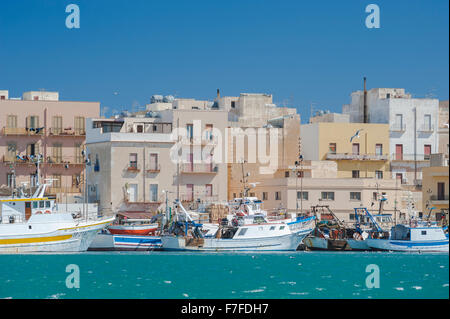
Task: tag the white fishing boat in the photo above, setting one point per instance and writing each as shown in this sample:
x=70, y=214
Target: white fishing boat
x=184, y=234
x=109, y=242
x=415, y=239
x=33, y=224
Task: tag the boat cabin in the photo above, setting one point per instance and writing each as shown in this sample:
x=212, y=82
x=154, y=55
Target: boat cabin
x=402, y=232
x=19, y=210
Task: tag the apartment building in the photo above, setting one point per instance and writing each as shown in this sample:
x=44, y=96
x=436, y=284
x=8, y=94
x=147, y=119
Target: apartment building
x=435, y=188
x=443, y=126
x=39, y=123
x=360, y=150
x=138, y=159
x=413, y=126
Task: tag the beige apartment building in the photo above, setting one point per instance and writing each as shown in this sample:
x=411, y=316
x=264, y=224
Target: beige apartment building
x=134, y=163
x=435, y=188
x=443, y=126
x=36, y=124
x=361, y=150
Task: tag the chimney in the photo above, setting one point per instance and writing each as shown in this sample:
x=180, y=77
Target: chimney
x=366, y=118
x=218, y=94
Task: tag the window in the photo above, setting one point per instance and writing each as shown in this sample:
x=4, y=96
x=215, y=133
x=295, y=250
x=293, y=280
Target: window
x=398, y=152
x=11, y=180
x=209, y=190
x=79, y=125
x=399, y=177
x=355, y=195
x=56, y=182
x=352, y=216
x=57, y=124
x=252, y=194
x=33, y=180
x=272, y=228
x=379, y=174
x=96, y=164
x=47, y=204
x=153, y=165
x=32, y=122
x=11, y=121
x=355, y=148
x=388, y=95
x=153, y=192
x=242, y=232
x=208, y=132
x=33, y=149
x=424, y=232
x=11, y=152
x=327, y=195
x=332, y=148
x=281, y=227
x=302, y=195
x=355, y=174
x=57, y=153
x=190, y=131
x=378, y=149
x=264, y=196
x=426, y=151
x=277, y=195
x=398, y=122
x=133, y=160
x=286, y=174
x=41, y=204
x=78, y=156
x=427, y=122
x=139, y=128
x=233, y=104
x=35, y=204
x=375, y=196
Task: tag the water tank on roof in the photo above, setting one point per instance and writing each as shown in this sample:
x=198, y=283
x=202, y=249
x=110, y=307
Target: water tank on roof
x=168, y=99
x=156, y=99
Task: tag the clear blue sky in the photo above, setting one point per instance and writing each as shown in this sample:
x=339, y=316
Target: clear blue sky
x=300, y=51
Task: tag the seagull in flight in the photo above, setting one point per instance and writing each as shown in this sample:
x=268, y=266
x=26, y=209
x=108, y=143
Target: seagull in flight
x=355, y=136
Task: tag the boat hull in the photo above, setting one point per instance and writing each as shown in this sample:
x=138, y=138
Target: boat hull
x=133, y=229
x=318, y=243
x=76, y=238
x=405, y=245
x=110, y=242
x=288, y=242
x=358, y=244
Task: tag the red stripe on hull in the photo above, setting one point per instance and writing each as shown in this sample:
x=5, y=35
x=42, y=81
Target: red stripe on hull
x=133, y=232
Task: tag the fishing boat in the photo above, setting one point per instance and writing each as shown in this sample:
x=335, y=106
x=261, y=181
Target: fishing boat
x=114, y=242
x=130, y=231
x=128, y=224
x=413, y=239
x=34, y=224
x=328, y=234
x=185, y=234
x=367, y=226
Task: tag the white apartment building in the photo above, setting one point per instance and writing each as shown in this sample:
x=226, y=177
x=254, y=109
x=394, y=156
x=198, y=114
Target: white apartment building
x=413, y=127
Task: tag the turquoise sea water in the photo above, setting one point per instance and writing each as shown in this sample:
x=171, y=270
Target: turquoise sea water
x=165, y=275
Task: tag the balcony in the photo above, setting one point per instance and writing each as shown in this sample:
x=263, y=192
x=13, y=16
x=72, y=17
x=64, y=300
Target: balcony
x=189, y=197
x=397, y=128
x=63, y=190
x=410, y=157
x=203, y=140
x=64, y=160
x=14, y=159
x=426, y=128
x=439, y=199
x=153, y=168
x=68, y=131
x=191, y=168
x=23, y=131
x=357, y=157
x=133, y=167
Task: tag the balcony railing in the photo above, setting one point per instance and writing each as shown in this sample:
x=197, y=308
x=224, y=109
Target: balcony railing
x=196, y=196
x=350, y=156
x=133, y=167
x=23, y=131
x=397, y=128
x=201, y=140
x=152, y=168
x=199, y=168
x=426, y=128
x=64, y=190
x=410, y=157
x=61, y=160
x=436, y=198
x=56, y=131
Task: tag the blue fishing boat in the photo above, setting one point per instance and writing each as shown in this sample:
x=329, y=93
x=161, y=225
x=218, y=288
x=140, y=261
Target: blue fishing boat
x=407, y=238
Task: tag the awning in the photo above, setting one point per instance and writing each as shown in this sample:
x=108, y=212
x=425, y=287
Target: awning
x=135, y=215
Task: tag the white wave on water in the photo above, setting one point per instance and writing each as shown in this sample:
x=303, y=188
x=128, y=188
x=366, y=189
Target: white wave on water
x=299, y=293
x=287, y=283
x=167, y=282
x=185, y=295
x=417, y=287
x=253, y=291
x=56, y=296
x=320, y=289
x=399, y=288
x=445, y=285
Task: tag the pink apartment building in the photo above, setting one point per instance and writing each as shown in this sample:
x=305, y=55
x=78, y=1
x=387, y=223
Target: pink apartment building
x=40, y=124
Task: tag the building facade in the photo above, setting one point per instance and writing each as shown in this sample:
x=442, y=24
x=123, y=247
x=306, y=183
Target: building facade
x=40, y=124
